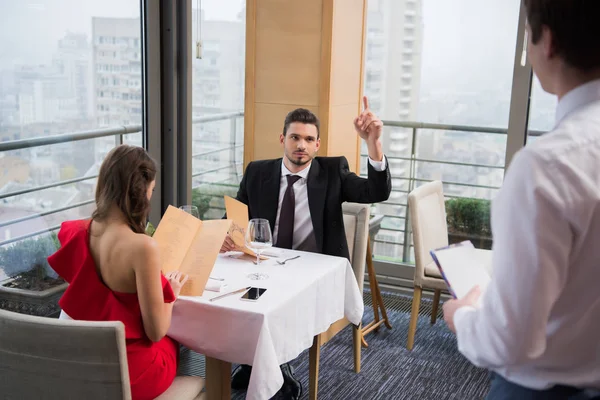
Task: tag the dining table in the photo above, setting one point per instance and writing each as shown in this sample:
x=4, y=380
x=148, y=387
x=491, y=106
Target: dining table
x=304, y=297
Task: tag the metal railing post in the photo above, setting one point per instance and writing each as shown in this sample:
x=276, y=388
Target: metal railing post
x=232, y=142
x=411, y=186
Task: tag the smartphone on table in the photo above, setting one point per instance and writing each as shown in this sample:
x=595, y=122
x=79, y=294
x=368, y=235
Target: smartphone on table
x=253, y=294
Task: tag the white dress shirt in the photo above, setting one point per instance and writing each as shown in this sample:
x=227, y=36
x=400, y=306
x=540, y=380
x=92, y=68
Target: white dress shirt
x=302, y=220
x=539, y=320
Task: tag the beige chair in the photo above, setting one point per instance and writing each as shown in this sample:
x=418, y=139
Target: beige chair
x=430, y=231
x=46, y=358
x=356, y=224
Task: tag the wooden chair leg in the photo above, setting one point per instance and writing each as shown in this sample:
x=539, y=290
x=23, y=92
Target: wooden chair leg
x=414, y=315
x=377, y=300
x=373, y=285
x=382, y=307
x=218, y=379
x=434, y=307
x=314, y=355
x=357, y=344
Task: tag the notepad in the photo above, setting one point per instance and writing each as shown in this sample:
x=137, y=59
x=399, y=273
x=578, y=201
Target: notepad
x=462, y=268
x=191, y=246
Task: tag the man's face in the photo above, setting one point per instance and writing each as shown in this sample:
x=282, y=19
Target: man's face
x=300, y=143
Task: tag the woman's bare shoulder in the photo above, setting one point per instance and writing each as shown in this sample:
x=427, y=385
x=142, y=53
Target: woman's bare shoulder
x=143, y=249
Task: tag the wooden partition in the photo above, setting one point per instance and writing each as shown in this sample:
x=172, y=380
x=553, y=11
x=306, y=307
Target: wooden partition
x=304, y=53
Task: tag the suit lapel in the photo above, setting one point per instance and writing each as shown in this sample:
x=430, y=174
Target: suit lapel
x=270, y=192
x=317, y=190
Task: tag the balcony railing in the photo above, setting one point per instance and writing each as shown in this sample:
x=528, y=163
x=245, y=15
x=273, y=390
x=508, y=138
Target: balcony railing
x=410, y=178
x=118, y=134
x=406, y=167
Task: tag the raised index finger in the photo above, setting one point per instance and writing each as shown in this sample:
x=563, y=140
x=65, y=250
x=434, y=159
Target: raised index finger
x=366, y=102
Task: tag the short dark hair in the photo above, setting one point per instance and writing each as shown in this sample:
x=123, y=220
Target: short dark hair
x=575, y=27
x=123, y=180
x=303, y=116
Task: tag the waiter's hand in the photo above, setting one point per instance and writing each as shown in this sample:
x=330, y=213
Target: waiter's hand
x=451, y=306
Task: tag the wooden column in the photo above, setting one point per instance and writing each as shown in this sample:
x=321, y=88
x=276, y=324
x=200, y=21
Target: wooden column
x=304, y=53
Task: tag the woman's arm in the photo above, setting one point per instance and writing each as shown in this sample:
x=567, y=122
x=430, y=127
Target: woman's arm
x=156, y=314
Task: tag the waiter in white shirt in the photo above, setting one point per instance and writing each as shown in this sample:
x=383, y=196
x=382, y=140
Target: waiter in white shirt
x=538, y=326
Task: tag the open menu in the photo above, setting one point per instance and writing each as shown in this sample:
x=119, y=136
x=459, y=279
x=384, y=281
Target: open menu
x=191, y=246
x=238, y=213
x=462, y=267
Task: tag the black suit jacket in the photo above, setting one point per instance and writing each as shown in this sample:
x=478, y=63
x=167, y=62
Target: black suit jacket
x=329, y=184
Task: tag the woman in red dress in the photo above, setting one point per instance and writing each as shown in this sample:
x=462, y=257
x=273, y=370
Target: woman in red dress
x=113, y=270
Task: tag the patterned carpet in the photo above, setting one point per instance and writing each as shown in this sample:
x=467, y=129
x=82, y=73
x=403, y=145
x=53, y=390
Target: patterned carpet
x=433, y=370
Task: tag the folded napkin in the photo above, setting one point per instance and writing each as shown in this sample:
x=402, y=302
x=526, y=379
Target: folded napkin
x=274, y=252
x=214, y=285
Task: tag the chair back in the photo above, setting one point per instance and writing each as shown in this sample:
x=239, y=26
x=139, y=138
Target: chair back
x=62, y=359
x=427, y=212
x=356, y=225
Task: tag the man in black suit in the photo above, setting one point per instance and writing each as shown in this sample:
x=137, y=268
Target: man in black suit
x=301, y=195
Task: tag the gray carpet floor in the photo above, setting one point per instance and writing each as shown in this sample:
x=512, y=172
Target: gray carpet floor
x=433, y=370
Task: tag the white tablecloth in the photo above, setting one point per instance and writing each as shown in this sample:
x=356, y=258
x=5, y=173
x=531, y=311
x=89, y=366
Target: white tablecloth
x=303, y=298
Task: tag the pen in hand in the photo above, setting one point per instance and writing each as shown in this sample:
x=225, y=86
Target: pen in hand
x=230, y=293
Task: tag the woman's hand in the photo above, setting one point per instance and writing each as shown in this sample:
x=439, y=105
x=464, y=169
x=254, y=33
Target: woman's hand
x=177, y=280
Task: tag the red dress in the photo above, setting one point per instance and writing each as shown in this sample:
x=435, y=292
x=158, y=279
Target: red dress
x=152, y=366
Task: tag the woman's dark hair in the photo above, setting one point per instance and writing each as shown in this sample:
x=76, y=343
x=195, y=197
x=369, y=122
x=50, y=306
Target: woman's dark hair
x=124, y=178
x=575, y=27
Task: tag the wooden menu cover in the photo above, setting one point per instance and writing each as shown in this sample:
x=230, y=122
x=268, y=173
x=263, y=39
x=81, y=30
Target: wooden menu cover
x=238, y=213
x=191, y=246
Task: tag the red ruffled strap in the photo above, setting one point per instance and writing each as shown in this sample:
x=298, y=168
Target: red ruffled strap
x=87, y=297
x=168, y=294
x=73, y=249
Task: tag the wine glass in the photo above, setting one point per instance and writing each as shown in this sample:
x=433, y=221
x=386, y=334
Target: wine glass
x=258, y=238
x=193, y=210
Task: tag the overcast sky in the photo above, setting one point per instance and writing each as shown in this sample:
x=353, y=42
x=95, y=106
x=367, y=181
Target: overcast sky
x=29, y=30
x=457, y=31
x=466, y=43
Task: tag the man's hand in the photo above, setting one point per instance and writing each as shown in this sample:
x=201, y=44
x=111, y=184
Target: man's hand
x=369, y=127
x=228, y=244
x=451, y=306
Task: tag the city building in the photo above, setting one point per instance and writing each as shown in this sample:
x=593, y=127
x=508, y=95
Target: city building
x=73, y=61
x=117, y=65
x=218, y=87
x=392, y=83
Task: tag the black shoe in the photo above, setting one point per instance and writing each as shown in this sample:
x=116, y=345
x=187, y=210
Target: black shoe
x=240, y=379
x=292, y=388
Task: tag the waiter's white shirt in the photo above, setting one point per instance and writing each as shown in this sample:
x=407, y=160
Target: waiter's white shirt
x=539, y=322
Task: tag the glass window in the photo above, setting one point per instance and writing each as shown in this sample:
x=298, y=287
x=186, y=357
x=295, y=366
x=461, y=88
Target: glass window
x=541, y=111
x=57, y=76
x=447, y=63
x=218, y=88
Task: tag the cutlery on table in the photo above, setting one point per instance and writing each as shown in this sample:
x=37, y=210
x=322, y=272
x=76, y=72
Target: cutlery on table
x=286, y=260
